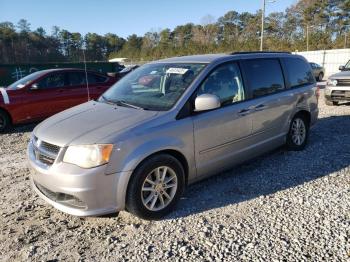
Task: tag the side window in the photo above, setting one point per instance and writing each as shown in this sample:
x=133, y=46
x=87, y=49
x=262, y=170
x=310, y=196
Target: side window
x=94, y=79
x=54, y=80
x=299, y=72
x=76, y=78
x=225, y=82
x=264, y=75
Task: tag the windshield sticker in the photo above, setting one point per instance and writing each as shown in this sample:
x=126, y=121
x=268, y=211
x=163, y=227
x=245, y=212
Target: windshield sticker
x=174, y=70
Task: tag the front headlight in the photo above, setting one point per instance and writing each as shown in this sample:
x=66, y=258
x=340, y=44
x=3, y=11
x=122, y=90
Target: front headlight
x=88, y=156
x=332, y=82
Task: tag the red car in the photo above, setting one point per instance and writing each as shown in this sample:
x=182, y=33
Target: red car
x=45, y=93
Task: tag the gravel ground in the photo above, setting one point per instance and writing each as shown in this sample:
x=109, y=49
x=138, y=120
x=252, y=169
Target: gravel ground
x=281, y=206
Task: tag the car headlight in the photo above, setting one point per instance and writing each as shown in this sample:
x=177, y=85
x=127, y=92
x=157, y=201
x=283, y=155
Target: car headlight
x=88, y=156
x=332, y=82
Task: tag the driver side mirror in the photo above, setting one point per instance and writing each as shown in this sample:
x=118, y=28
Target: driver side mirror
x=341, y=68
x=34, y=87
x=206, y=102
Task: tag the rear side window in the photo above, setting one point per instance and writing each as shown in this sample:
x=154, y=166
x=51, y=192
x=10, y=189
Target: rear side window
x=95, y=79
x=299, y=72
x=79, y=78
x=264, y=76
x=76, y=78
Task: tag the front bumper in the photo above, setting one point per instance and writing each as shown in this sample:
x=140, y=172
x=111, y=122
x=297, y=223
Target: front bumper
x=337, y=93
x=78, y=191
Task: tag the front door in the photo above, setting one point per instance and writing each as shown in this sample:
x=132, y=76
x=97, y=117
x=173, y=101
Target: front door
x=222, y=135
x=42, y=99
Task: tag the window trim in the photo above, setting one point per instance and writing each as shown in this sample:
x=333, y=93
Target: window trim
x=246, y=77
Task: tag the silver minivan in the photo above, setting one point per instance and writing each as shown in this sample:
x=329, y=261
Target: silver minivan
x=168, y=124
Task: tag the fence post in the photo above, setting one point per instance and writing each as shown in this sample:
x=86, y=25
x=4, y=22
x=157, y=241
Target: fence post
x=324, y=57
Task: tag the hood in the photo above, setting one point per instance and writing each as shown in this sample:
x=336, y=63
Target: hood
x=89, y=123
x=341, y=75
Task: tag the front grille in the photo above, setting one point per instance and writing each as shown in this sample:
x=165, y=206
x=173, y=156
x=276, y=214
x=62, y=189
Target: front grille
x=340, y=94
x=44, y=152
x=50, y=147
x=343, y=82
x=45, y=159
x=62, y=198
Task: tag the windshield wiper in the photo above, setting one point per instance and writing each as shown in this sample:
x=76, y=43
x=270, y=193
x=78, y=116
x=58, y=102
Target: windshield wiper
x=123, y=103
x=107, y=101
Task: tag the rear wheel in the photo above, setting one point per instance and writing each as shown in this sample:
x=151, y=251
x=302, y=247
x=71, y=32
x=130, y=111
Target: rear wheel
x=5, y=121
x=155, y=187
x=298, y=133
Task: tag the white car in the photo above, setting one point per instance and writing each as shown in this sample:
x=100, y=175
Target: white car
x=338, y=86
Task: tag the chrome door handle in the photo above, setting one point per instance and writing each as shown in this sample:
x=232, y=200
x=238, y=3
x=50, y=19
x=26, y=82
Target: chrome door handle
x=260, y=107
x=244, y=112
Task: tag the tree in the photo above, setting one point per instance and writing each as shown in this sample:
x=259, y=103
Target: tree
x=326, y=21
x=23, y=26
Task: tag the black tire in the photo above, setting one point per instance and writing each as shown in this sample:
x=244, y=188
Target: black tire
x=135, y=198
x=335, y=103
x=320, y=77
x=5, y=121
x=291, y=144
x=328, y=103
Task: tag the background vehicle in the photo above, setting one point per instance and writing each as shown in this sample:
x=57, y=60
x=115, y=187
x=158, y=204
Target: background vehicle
x=10, y=73
x=318, y=71
x=346, y=67
x=138, y=146
x=338, y=86
x=45, y=93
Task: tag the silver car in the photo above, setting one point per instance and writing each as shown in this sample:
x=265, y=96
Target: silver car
x=168, y=124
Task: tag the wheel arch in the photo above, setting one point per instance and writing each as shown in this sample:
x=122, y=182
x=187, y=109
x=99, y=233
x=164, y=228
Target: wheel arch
x=172, y=152
x=304, y=113
x=7, y=113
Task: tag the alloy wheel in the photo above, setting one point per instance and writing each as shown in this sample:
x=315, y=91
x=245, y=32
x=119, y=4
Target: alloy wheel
x=159, y=188
x=298, y=131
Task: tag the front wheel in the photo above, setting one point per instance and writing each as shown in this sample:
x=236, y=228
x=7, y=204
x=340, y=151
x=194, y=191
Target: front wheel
x=331, y=103
x=298, y=133
x=155, y=187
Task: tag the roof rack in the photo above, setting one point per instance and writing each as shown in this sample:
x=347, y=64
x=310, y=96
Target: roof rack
x=260, y=52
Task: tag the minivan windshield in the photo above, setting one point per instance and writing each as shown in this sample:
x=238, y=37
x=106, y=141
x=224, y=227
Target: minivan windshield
x=24, y=81
x=155, y=87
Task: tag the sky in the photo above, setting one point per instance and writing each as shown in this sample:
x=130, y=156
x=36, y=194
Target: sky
x=124, y=17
